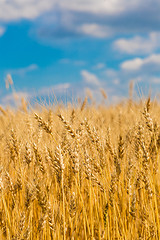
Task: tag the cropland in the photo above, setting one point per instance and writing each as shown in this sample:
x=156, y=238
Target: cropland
x=80, y=172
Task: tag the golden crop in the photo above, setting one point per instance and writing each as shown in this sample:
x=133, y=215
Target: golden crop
x=80, y=172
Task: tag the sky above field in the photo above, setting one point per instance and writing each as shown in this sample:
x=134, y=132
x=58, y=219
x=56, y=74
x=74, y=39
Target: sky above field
x=69, y=48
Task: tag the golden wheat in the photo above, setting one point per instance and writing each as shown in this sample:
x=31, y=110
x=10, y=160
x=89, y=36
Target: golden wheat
x=80, y=172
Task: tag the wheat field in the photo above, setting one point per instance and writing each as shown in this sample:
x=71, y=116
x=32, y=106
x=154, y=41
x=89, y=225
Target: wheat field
x=80, y=172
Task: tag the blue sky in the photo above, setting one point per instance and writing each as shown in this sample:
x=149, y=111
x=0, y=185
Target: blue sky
x=69, y=47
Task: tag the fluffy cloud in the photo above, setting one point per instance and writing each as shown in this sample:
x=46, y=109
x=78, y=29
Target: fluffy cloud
x=57, y=19
x=110, y=11
x=89, y=6
x=101, y=18
x=95, y=30
x=103, y=7
x=131, y=65
x=18, y=9
x=148, y=63
x=28, y=9
x=138, y=45
x=93, y=6
x=90, y=78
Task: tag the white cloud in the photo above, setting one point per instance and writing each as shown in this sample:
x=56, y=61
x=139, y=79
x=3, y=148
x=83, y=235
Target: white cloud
x=23, y=71
x=102, y=6
x=30, y=9
x=27, y=9
x=134, y=64
x=94, y=18
x=95, y=30
x=61, y=19
x=90, y=78
x=138, y=45
x=139, y=63
x=66, y=19
x=2, y=31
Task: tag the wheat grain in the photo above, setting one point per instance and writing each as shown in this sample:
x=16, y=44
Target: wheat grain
x=95, y=176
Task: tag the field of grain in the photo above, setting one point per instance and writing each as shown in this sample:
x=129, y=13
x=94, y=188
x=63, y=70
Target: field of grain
x=80, y=172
